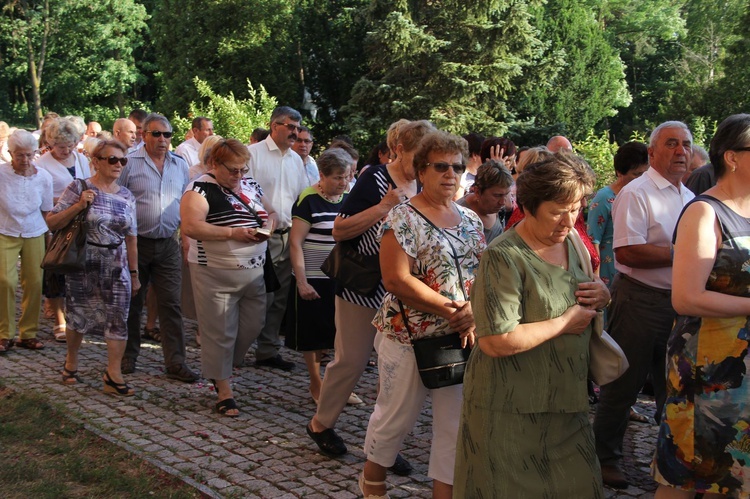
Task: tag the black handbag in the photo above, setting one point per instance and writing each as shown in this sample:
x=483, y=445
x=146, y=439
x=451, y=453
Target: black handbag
x=353, y=270
x=269, y=271
x=66, y=252
x=441, y=360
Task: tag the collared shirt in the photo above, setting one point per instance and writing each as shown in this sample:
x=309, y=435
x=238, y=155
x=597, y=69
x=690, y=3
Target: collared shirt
x=311, y=168
x=282, y=177
x=22, y=201
x=189, y=151
x=157, y=195
x=646, y=212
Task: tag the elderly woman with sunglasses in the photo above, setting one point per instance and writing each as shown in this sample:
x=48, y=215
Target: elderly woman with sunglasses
x=97, y=299
x=429, y=254
x=228, y=221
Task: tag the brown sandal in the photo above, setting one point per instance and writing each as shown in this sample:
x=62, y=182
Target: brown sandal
x=30, y=344
x=5, y=345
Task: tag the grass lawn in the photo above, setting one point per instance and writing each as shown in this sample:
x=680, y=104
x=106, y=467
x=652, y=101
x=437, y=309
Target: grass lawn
x=43, y=454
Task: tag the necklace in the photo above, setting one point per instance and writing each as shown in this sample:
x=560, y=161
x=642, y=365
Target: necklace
x=322, y=193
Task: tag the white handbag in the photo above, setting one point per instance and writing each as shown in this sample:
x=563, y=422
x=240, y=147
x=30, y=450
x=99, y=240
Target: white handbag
x=607, y=360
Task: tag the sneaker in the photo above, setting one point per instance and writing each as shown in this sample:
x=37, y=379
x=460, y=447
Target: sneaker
x=277, y=362
x=182, y=373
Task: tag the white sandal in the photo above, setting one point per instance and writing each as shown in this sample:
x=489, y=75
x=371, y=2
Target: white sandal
x=59, y=332
x=354, y=400
x=363, y=482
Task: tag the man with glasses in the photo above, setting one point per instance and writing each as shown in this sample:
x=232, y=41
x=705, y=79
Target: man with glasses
x=640, y=315
x=281, y=175
x=202, y=127
x=303, y=146
x=157, y=179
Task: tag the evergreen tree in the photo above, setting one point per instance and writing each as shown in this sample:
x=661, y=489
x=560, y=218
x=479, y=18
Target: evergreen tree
x=591, y=83
x=457, y=63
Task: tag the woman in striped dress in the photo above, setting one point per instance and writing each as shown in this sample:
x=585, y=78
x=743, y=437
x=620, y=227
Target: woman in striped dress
x=310, y=326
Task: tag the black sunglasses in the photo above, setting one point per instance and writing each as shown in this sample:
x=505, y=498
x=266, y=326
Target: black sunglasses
x=291, y=126
x=157, y=134
x=458, y=168
x=112, y=160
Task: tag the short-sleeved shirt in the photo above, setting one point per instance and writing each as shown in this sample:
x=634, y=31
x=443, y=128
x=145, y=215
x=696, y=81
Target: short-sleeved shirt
x=601, y=230
x=319, y=213
x=22, y=201
x=61, y=175
x=435, y=252
x=490, y=233
x=369, y=190
x=646, y=212
x=515, y=286
x=225, y=210
x=188, y=151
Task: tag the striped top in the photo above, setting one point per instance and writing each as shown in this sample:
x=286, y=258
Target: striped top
x=157, y=195
x=319, y=214
x=225, y=210
x=371, y=187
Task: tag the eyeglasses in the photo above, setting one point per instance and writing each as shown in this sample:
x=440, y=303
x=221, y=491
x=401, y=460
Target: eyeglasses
x=458, y=168
x=305, y=141
x=113, y=160
x=291, y=126
x=157, y=134
x=235, y=171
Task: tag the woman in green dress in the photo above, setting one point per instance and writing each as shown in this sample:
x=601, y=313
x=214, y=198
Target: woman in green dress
x=524, y=427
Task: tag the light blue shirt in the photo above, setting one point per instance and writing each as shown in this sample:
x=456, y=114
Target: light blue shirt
x=157, y=195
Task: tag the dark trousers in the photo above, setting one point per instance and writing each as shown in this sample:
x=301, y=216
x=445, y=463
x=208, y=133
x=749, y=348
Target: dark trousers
x=640, y=320
x=160, y=261
x=268, y=341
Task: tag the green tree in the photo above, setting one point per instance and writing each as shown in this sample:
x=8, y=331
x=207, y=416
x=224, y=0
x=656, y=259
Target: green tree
x=731, y=92
x=70, y=55
x=590, y=85
x=232, y=117
x=456, y=63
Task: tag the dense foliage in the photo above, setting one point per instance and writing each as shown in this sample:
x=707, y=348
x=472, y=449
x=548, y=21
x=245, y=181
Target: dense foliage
x=524, y=68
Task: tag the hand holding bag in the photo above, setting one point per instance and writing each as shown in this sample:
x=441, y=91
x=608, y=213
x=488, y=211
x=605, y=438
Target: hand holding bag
x=67, y=249
x=607, y=360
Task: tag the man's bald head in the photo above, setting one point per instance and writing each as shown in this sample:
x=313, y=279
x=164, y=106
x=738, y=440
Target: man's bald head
x=559, y=143
x=124, y=131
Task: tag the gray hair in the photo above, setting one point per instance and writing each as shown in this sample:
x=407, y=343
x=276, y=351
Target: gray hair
x=699, y=151
x=668, y=124
x=21, y=139
x=61, y=131
x=79, y=123
x=334, y=161
x=155, y=117
x=285, y=112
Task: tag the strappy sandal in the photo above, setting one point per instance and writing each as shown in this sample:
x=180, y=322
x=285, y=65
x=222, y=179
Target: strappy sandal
x=153, y=333
x=226, y=405
x=59, y=333
x=30, y=344
x=119, y=389
x=5, y=345
x=363, y=482
x=70, y=377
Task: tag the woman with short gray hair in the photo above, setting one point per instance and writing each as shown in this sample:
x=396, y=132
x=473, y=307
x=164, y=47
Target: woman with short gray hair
x=25, y=197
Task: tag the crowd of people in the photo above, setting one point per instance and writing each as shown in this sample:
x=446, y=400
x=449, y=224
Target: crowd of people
x=477, y=239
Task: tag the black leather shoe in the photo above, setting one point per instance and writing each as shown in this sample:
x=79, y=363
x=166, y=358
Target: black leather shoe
x=328, y=441
x=612, y=476
x=401, y=467
x=277, y=362
x=182, y=373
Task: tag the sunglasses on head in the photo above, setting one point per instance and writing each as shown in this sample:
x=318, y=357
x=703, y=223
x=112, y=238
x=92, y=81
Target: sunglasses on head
x=458, y=168
x=112, y=160
x=157, y=134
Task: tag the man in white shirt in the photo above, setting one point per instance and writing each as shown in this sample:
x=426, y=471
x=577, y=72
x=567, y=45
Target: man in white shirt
x=124, y=131
x=188, y=150
x=281, y=175
x=640, y=316
x=303, y=146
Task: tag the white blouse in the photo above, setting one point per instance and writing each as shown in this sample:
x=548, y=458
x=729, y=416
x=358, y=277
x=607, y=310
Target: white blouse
x=61, y=177
x=22, y=201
